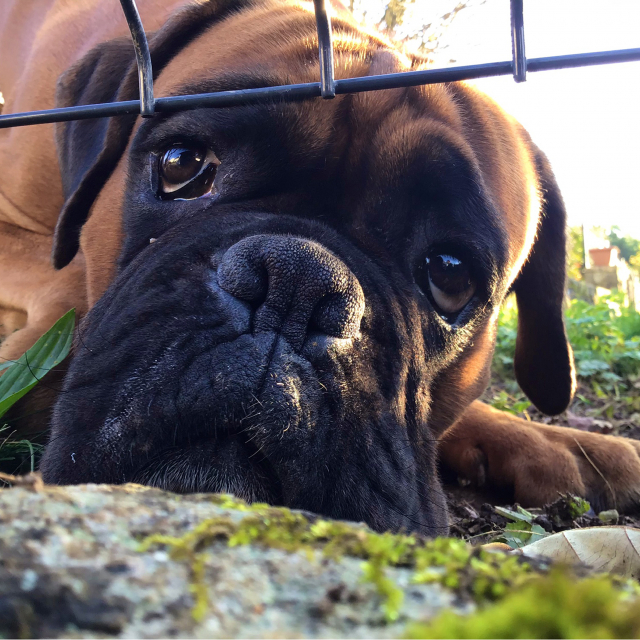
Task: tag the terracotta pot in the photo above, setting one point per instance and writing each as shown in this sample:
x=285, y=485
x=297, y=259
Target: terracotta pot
x=600, y=257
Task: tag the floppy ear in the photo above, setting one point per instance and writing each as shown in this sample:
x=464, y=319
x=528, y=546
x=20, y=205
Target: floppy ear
x=89, y=150
x=544, y=360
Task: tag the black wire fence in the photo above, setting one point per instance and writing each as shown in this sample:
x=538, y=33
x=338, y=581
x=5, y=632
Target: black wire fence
x=327, y=87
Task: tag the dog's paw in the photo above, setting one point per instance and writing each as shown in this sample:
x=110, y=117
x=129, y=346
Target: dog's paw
x=538, y=461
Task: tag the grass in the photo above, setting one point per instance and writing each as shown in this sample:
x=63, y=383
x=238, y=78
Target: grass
x=17, y=454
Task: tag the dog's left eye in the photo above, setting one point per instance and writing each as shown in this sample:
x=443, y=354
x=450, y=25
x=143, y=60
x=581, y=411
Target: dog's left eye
x=449, y=281
x=186, y=172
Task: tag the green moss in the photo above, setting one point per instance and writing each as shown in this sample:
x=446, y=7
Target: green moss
x=481, y=574
x=471, y=572
x=553, y=606
x=447, y=561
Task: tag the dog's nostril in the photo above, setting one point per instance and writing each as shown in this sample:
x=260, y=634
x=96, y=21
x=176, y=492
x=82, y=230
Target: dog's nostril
x=295, y=285
x=337, y=315
x=244, y=279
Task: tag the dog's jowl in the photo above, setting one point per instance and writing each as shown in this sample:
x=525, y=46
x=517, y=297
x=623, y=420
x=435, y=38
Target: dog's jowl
x=292, y=302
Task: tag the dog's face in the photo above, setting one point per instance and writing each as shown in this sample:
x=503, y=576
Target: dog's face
x=292, y=300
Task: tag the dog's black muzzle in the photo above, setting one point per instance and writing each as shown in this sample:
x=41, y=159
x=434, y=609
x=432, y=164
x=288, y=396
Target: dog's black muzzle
x=244, y=357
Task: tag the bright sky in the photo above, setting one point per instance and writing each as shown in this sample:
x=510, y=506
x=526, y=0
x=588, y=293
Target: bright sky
x=586, y=120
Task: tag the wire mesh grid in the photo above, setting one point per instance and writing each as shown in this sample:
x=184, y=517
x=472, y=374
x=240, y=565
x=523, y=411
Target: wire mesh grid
x=327, y=87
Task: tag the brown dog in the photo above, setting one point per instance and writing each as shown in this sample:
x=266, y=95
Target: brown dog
x=360, y=246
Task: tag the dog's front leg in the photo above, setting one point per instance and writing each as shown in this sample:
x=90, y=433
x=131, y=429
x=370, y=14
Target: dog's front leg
x=33, y=295
x=539, y=461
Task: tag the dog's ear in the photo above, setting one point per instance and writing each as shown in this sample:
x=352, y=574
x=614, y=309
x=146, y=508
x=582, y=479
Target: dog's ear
x=544, y=359
x=89, y=150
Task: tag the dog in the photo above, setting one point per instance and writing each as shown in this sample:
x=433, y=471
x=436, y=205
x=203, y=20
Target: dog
x=293, y=302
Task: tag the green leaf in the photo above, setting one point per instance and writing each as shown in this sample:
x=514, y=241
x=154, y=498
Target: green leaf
x=521, y=533
x=517, y=534
x=524, y=514
x=537, y=533
x=23, y=374
x=519, y=407
x=517, y=516
x=577, y=506
x=588, y=368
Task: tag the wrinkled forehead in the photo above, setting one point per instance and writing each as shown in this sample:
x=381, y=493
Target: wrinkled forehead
x=275, y=43
x=274, y=39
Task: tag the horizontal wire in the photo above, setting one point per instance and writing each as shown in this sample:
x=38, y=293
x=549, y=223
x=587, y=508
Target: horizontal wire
x=307, y=91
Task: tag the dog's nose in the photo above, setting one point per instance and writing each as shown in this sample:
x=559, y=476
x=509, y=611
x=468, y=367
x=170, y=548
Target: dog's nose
x=295, y=285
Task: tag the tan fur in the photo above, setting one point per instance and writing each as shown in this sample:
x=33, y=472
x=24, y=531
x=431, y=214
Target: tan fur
x=38, y=41
x=540, y=461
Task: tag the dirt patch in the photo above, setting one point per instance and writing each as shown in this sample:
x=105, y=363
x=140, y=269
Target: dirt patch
x=482, y=523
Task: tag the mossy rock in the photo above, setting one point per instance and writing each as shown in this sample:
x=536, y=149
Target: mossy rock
x=128, y=561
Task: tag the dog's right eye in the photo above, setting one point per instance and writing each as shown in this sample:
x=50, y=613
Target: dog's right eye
x=186, y=172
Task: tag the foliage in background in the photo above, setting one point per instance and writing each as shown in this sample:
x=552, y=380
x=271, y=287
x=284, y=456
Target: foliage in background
x=413, y=23
x=629, y=247
x=606, y=344
x=575, y=253
x=394, y=14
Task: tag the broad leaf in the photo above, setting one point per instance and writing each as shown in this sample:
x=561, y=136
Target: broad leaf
x=606, y=549
x=23, y=374
x=520, y=514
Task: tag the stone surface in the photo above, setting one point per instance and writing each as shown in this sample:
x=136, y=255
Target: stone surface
x=71, y=565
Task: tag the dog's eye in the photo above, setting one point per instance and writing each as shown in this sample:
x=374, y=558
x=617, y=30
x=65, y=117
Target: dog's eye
x=186, y=172
x=449, y=281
